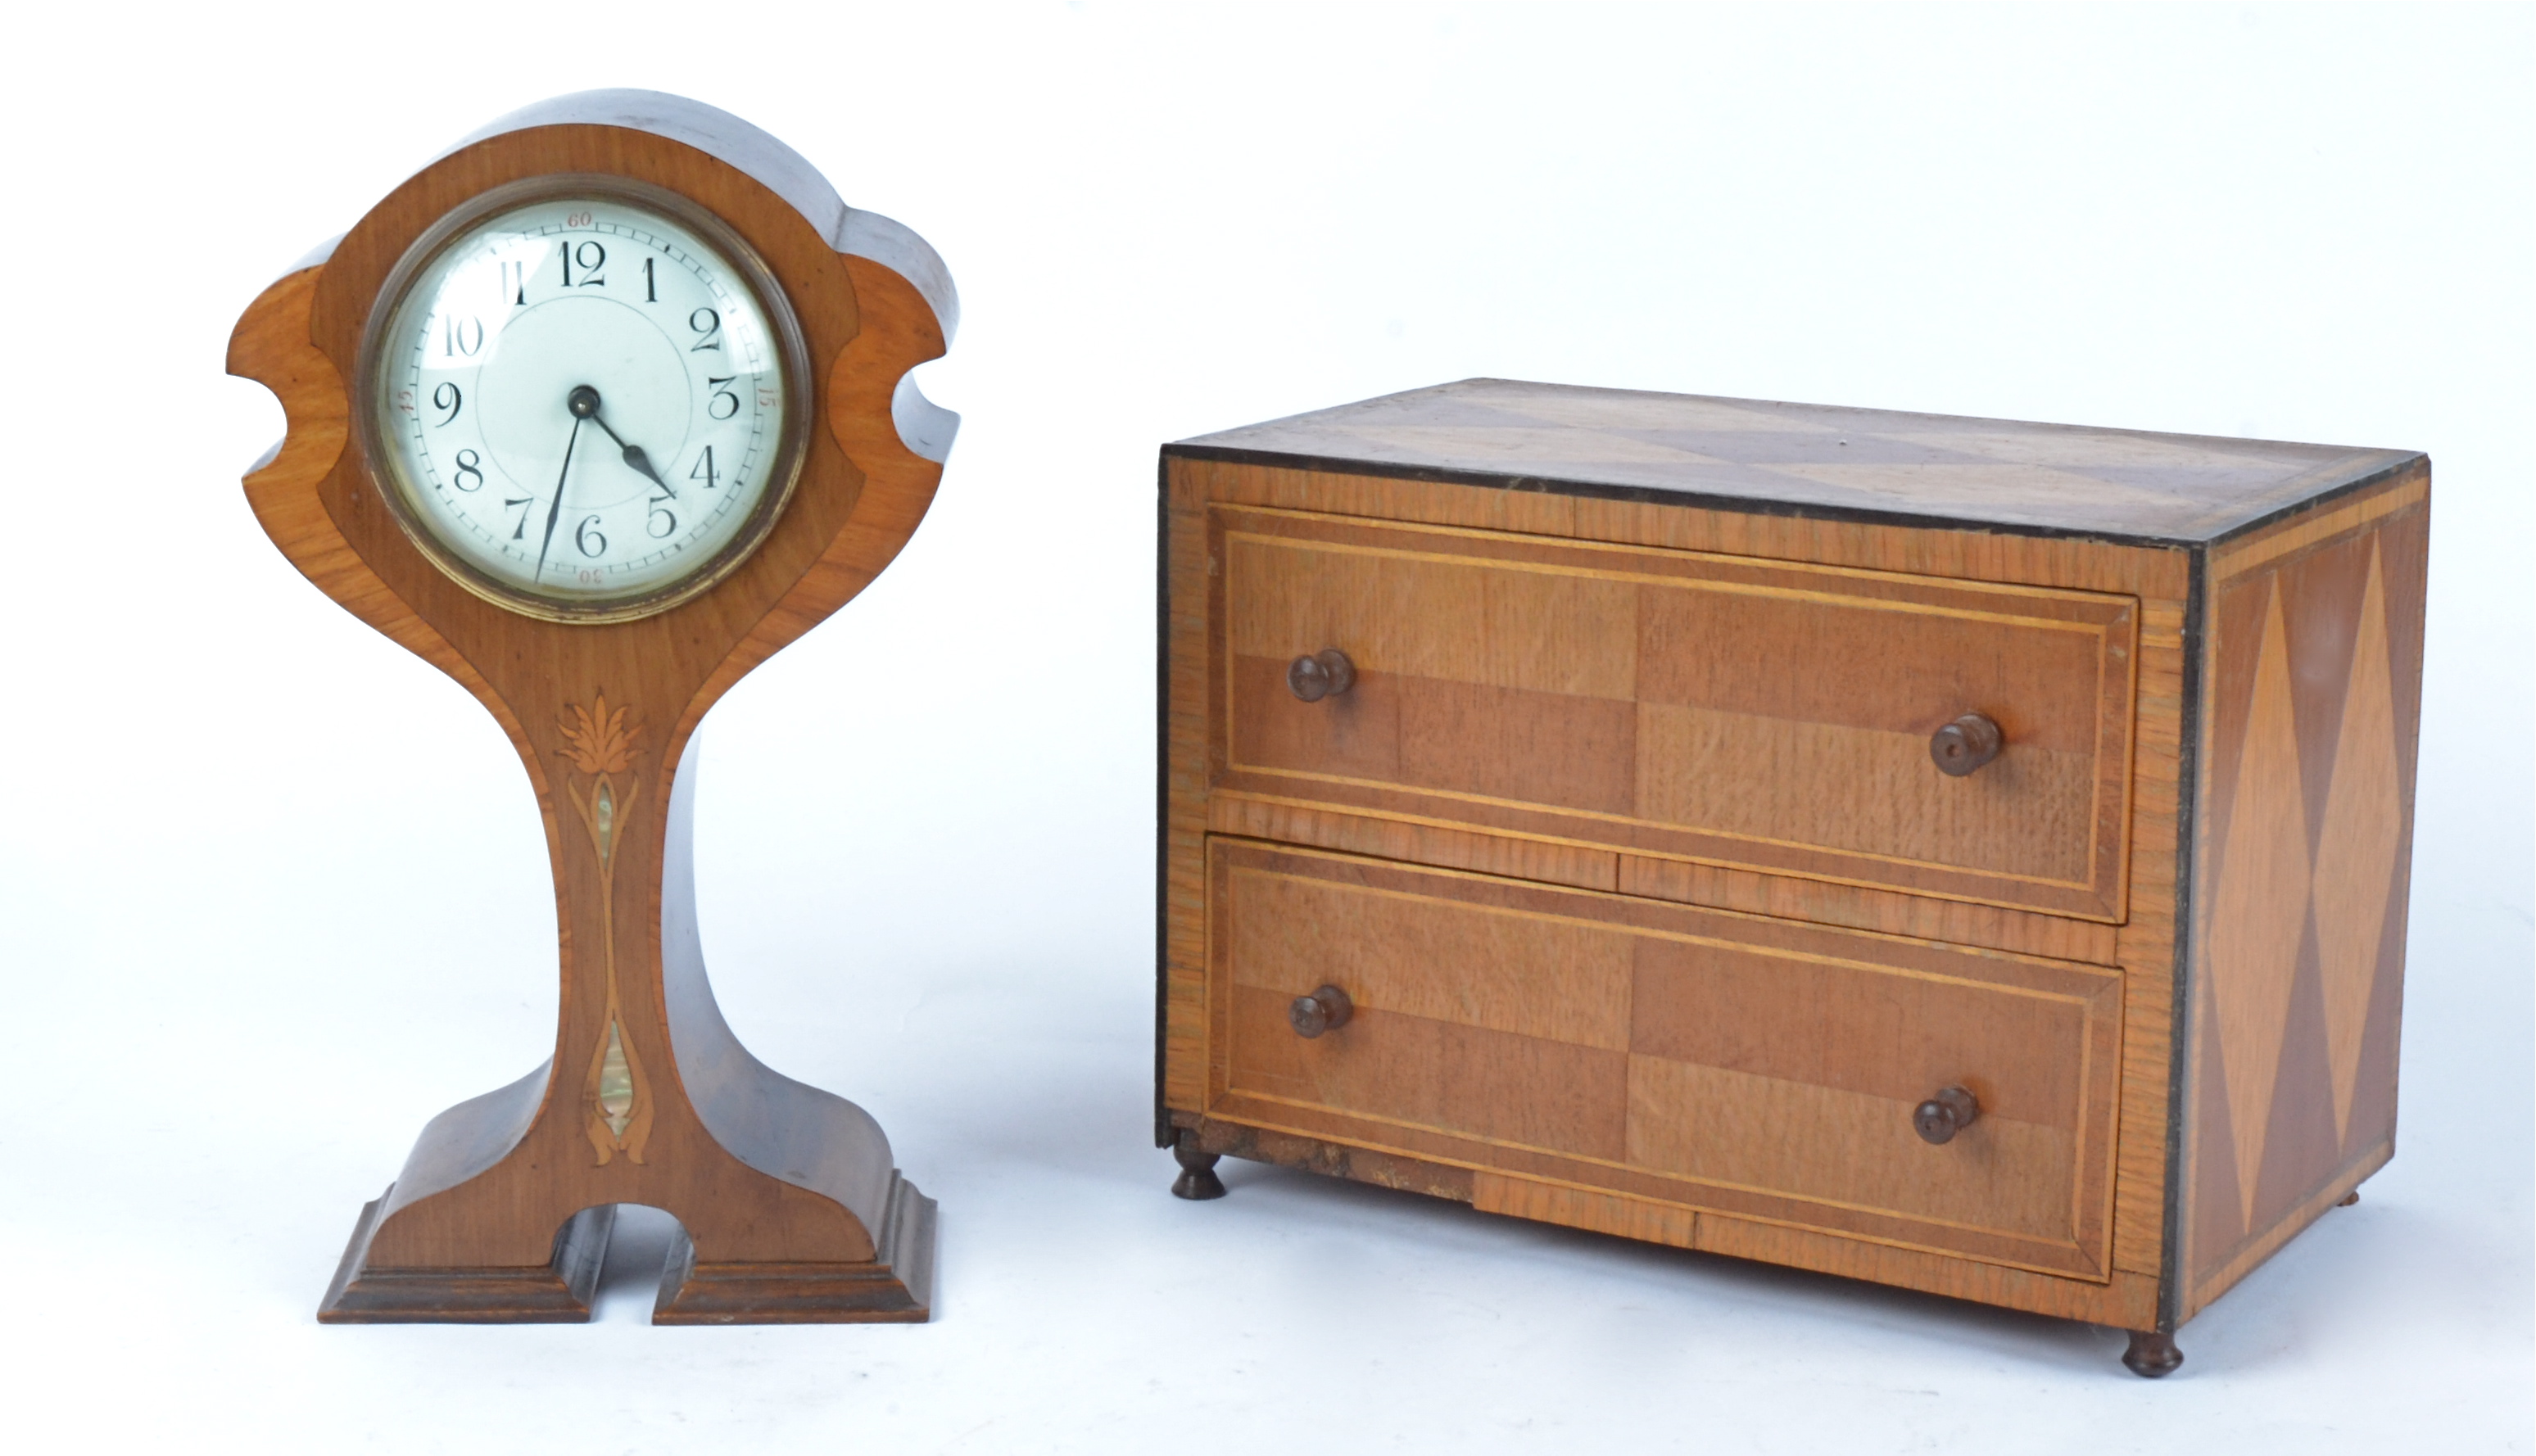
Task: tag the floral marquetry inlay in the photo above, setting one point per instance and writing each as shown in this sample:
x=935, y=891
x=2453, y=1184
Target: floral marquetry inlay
x=615, y=1084
x=599, y=740
x=602, y=743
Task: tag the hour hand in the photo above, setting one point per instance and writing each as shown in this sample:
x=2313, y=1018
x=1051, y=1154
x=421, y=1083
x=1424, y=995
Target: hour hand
x=635, y=457
x=585, y=404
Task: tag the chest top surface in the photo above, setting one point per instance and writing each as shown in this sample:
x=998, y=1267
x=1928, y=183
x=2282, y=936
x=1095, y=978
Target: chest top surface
x=1813, y=460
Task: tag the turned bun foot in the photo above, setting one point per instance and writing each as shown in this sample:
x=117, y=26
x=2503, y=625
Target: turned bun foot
x=1197, y=1177
x=2349, y=1199
x=2152, y=1355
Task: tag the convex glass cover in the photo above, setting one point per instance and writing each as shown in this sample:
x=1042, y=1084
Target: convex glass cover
x=582, y=398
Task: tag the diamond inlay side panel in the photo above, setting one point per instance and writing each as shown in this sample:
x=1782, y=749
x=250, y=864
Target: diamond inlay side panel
x=2299, y=1142
x=2218, y=1213
x=2321, y=594
x=2314, y=652
x=2363, y=834
x=2262, y=906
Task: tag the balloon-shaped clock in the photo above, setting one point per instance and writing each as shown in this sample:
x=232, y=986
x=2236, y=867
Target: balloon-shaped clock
x=594, y=413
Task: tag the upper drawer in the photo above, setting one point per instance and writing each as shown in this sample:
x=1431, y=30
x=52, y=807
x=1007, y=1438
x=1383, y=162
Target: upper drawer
x=1726, y=709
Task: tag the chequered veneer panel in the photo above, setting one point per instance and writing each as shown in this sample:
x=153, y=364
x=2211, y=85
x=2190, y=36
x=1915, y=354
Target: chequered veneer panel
x=2318, y=673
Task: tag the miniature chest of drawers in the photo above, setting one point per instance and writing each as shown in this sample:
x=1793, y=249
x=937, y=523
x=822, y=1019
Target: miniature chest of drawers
x=1960, y=853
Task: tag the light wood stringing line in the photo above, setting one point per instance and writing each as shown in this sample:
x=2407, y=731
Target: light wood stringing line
x=1889, y=576
x=1471, y=1165
x=1578, y=1207
x=1909, y=915
x=1493, y=801
x=1955, y=554
x=1689, y=583
x=1713, y=942
x=2242, y=558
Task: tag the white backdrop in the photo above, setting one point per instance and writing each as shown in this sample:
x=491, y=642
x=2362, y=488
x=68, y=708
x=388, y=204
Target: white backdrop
x=925, y=830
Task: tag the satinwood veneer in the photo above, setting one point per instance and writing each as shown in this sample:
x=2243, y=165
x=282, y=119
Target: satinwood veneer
x=1962, y=854
x=791, y=1205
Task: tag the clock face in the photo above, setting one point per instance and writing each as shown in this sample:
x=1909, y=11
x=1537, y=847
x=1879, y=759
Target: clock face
x=584, y=403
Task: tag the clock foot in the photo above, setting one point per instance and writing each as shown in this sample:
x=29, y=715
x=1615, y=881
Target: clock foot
x=558, y=1292
x=2349, y=1199
x=2152, y=1355
x=895, y=1288
x=1197, y=1177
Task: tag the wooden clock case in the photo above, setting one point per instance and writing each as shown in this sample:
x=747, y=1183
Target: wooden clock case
x=789, y=1203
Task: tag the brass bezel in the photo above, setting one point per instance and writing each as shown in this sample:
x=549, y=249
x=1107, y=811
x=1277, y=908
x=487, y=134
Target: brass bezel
x=793, y=361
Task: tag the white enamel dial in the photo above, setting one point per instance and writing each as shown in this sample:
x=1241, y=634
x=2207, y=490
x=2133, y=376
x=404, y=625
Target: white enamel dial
x=582, y=404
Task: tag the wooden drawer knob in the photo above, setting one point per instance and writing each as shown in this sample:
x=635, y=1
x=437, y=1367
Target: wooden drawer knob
x=1941, y=1117
x=1324, y=1010
x=1964, y=744
x=1324, y=674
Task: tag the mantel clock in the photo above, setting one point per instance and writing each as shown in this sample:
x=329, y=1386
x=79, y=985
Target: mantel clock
x=595, y=412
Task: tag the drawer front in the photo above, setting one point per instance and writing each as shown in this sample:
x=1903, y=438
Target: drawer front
x=1756, y=1067
x=1721, y=709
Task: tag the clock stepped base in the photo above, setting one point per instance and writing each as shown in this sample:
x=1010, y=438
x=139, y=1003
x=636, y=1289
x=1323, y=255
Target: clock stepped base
x=558, y=1292
x=895, y=1288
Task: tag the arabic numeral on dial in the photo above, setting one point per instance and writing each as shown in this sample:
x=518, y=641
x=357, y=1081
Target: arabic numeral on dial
x=651, y=289
x=521, y=530
x=586, y=537
x=460, y=338
x=708, y=326
x=448, y=397
x=590, y=257
x=704, y=470
x=662, y=522
x=515, y=283
x=722, y=397
x=470, y=465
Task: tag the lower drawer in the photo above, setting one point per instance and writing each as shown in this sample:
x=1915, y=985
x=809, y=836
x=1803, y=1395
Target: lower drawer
x=1758, y=1067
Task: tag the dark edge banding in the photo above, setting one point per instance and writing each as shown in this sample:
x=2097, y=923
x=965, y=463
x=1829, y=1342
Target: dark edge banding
x=1162, y=790
x=1754, y=506
x=2358, y=484
x=2180, y=1046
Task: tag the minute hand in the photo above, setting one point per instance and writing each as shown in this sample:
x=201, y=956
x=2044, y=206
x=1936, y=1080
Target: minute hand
x=634, y=455
x=555, y=510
